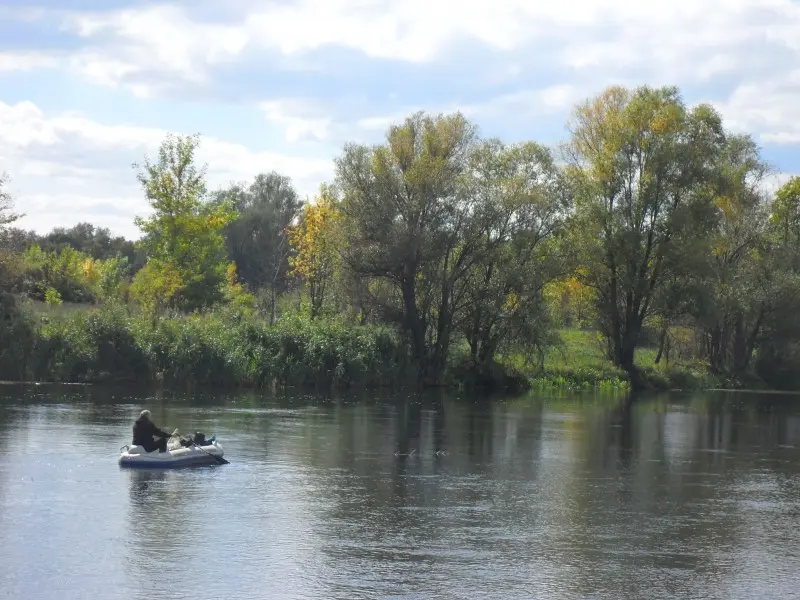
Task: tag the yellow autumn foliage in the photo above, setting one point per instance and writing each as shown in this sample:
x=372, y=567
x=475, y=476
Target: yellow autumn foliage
x=312, y=238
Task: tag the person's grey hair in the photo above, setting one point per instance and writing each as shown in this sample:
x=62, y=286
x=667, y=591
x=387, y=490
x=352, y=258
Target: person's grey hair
x=145, y=414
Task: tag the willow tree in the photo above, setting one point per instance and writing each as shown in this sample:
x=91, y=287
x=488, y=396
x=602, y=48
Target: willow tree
x=737, y=288
x=448, y=234
x=408, y=226
x=521, y=204
x=641, y=163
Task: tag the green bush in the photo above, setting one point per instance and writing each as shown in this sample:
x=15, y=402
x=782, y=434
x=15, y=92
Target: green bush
x=229, y=347
x=221, y=348
x=464, y=373
x=17, y=339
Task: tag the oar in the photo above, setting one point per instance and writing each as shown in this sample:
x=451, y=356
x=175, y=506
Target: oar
x=219, y=459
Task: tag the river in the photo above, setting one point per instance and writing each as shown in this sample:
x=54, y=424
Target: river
x=683, y=495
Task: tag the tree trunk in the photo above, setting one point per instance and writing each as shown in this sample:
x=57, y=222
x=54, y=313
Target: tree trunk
x=625, y=349
x=715, y=349
x=415, y=327
x=744, y=342
x=739, y=349
x=661, y=342
x=272, y=306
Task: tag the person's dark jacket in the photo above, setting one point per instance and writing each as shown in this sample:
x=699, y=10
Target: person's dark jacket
x=144, y=430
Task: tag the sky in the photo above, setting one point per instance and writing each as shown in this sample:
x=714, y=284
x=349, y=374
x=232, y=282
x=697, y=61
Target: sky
x=90, y=87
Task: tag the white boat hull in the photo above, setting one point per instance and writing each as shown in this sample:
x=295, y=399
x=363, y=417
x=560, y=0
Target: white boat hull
x=135, y=456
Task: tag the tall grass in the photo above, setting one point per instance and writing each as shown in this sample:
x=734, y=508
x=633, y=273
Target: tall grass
x=226, y=349
x=212, y=349
x=579, y=363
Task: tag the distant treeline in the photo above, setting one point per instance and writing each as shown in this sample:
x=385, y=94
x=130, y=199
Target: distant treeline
x=651, y=225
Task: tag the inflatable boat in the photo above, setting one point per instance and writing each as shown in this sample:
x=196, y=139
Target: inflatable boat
x=136, y=456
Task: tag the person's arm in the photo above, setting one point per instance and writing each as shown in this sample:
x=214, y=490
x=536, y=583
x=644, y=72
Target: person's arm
x=155, y=431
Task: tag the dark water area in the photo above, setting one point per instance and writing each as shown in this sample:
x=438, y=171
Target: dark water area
x=682, y=496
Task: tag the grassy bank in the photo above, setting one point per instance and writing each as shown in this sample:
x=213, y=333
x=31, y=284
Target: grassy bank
x=224, y=349
x=578, y=362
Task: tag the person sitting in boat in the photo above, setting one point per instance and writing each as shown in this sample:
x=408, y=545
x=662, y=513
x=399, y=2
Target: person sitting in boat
x=144, y=432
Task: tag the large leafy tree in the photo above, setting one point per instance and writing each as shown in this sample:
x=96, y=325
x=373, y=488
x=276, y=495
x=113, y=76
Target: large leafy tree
x=641, y=163
x=735, y=290
x=408, y=227
x=185, y=248
x=785, y=217
x=521, y=205
x=257, y=238
x=447, y=234
x=778, y=356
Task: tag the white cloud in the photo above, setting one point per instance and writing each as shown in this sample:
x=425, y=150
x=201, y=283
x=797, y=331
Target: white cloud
x=420, y=30
x=525, y=104
x=158, y=40
x=153, y=49
x=301, y=119
x=770, y=107
x=100, y=69
x=67, y=167
x=309, y=120
x=304, y=119
x=689, y=36
x=775, y=181
x=26, y=61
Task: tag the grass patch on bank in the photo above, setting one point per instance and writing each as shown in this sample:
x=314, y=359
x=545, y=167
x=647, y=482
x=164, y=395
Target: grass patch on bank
x=578, y=362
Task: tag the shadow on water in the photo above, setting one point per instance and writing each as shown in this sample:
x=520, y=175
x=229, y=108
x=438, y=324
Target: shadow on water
x=146, y=487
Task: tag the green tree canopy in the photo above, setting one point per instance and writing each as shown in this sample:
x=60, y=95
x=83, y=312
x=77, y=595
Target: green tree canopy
x=641, y=163
x=182, y=237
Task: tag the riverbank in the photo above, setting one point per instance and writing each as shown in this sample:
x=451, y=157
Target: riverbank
x=225, y=349
x=578, y=363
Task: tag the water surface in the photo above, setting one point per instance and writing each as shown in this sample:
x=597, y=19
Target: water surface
x=692, y=496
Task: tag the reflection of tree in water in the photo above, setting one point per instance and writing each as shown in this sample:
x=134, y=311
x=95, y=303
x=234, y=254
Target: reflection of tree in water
x=9, y=421
x=479, y=430
x=621, y=435
x=640, y=510
x=16, y=404
x=407, y=424
x=397, y=479
x=439, y=432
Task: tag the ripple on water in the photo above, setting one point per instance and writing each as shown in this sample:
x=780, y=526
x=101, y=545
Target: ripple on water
x=319, y=503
